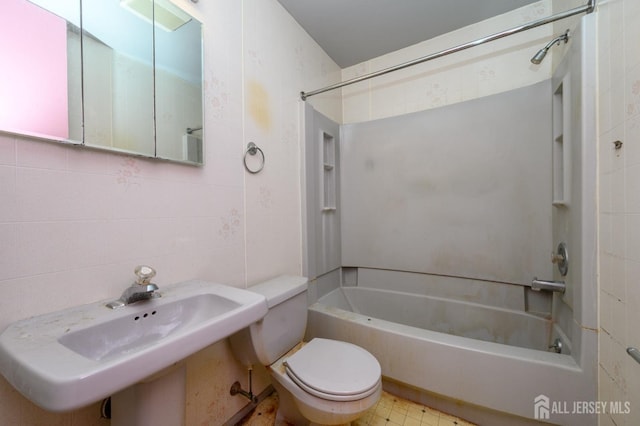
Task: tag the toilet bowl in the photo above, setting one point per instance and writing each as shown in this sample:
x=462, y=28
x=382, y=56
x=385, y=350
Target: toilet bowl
x=330, y=382
x=323, y=382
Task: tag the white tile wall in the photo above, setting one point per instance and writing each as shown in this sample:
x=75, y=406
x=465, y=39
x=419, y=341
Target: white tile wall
x=75, y=222
x=619, y=228
x=487, y=69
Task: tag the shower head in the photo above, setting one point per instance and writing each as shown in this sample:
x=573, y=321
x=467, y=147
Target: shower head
x=538, y=57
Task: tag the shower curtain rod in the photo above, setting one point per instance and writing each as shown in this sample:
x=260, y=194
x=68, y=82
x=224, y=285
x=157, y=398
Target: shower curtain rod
x=588, y=8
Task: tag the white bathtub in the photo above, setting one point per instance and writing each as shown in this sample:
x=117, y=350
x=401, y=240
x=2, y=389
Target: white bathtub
x=465, y=319
x=477, y=355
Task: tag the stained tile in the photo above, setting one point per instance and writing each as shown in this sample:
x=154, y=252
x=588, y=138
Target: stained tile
x=389, y=411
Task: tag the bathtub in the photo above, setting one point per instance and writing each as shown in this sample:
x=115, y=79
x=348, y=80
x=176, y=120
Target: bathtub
x=489, y=362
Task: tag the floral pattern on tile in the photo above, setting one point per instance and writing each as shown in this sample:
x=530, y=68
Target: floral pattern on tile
x=129, y=172
x=437, y=94
x=217, y=96
x=230, y=224
x=266, y=200
x=633, y=106
x=535, y=12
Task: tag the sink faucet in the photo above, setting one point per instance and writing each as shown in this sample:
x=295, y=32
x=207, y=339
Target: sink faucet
x=142, y=289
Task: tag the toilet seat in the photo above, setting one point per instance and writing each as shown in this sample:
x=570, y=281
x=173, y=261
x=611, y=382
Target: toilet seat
x=334, y=370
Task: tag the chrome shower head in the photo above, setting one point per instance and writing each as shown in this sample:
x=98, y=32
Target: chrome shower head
x=538, y=57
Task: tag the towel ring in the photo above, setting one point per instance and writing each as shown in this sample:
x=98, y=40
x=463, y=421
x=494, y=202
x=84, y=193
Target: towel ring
x=252, y=148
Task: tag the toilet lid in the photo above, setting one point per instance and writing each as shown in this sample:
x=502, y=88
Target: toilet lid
x=333, y=370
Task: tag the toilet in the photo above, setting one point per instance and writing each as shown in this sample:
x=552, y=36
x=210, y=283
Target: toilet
x=322, y=382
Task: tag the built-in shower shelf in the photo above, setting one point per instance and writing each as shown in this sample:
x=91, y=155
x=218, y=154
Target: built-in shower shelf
x=329, y=179
x=561, y=143
x=559, y=198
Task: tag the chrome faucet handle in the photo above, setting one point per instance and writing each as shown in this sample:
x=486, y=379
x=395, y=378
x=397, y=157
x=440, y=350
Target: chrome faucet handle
x=561, y=258
x=144, y=274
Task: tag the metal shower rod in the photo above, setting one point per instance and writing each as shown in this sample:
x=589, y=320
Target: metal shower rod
x=588, y=8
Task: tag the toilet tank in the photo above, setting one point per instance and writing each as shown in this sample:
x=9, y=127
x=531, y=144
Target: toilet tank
x=282, y=327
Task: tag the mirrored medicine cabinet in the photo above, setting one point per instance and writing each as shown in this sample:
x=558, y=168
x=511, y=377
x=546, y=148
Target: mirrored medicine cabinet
x=119, y=75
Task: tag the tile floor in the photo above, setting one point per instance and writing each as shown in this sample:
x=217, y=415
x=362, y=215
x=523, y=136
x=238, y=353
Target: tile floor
x=389, y=411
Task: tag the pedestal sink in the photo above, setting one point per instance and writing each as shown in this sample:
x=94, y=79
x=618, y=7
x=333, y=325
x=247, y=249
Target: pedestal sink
x=69, y=359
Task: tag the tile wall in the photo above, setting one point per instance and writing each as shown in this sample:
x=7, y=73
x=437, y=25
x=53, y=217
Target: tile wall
x=483, y=70
x=75, y=222
x=619, y=205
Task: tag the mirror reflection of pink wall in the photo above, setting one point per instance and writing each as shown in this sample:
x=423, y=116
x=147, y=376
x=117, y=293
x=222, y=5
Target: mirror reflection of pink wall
x=33, y=72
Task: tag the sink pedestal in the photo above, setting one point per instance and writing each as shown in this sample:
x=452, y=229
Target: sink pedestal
x=156, y=401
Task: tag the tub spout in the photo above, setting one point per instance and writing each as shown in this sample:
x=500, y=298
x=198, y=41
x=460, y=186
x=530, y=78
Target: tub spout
x=539, y=285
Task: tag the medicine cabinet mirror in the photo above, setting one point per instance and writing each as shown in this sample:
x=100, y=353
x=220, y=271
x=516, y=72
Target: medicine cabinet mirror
x=99, y=73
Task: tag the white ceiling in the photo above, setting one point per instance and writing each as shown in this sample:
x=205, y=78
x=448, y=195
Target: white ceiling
x=354, y=31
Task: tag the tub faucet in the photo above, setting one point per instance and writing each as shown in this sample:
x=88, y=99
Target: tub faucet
x=538, y=285
x=142, y=289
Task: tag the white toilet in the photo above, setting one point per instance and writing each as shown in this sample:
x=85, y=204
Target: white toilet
x=324, y=382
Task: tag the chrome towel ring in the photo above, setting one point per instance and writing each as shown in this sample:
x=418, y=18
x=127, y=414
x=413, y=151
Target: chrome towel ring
x=252, y=149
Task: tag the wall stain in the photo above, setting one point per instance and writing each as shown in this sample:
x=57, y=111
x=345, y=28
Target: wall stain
x=258, y=104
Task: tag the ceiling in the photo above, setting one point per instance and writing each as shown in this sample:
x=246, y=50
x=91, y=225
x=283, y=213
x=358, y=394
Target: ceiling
x=354, y=31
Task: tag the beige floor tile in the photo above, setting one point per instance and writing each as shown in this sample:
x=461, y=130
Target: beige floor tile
x=415, y=412
x=378, y=421
x=385, y=401
x=389, y=411
x=383, y=411
x=397, y=417
x=449, y=420
x=429, y=418
x=412, y=422
x=402, y=405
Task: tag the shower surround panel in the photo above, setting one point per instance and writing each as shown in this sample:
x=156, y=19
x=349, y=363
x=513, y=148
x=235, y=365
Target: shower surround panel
x=462, y=190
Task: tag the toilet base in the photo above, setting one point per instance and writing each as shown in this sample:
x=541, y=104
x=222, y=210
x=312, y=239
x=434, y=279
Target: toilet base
x=288, y=412
x=295, y=411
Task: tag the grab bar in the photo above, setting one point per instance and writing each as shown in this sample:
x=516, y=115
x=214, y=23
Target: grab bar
x=539, y=285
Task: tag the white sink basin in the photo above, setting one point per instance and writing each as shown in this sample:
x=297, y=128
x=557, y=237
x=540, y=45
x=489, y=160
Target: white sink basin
x=71, y=358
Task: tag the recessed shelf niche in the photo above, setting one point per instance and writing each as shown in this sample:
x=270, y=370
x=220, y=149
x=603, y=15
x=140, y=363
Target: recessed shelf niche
x=329, y=174
x=561, y=143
